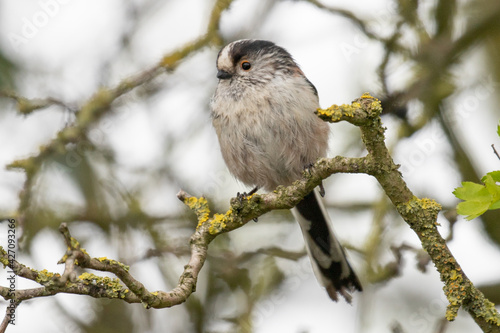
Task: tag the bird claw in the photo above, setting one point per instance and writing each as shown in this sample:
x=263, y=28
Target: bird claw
x=321, y=190
x=245, y=195
x=307, y=169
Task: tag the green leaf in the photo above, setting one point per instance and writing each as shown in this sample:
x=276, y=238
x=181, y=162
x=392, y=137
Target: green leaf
x=494, y=174
x=471, y=191
x=491, y=186
x=495, y=205
x=472, y=209
x=478, y=198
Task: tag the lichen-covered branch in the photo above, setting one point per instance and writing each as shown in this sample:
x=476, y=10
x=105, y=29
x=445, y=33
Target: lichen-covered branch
x=420, y=214
x=129, y=289
x=133, y=291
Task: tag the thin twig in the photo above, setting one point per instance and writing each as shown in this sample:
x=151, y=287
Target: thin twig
x=495, y=151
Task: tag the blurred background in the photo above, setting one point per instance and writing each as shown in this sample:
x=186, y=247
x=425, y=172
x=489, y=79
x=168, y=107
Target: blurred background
x=434, y=64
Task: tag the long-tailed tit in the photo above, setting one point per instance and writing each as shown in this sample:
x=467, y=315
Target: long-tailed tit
x=263, y=113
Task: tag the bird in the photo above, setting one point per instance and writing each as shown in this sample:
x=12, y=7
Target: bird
x=263, y=112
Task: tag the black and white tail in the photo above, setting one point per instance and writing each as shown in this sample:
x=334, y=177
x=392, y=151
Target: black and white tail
x=328, y=258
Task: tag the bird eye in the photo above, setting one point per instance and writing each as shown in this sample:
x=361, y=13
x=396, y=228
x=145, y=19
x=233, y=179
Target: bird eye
x=245, y=65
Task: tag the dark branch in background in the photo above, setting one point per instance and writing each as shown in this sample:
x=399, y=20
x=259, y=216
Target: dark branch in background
x=420, y=214
x=86, y=116
x=348, y=15
x=495, y=151
x=99, y=105
x=27, y=106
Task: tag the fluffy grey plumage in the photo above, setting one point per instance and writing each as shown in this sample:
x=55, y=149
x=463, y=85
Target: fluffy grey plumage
x=263, y=113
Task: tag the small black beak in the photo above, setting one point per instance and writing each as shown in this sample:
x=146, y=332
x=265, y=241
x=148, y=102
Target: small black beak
x=223, y=75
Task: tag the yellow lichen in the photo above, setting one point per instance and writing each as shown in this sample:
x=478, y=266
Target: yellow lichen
x=429, y=204
x=107, y=261
x=490, y=313
x=200, y=207
x=333, y=113
x=376, y=105
x=218, y=223
x=87, y=277
x=366, y=95
x=348, y=110
x=3, y=258
x=112, y=285
x=44, y=276
x=415, y=204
